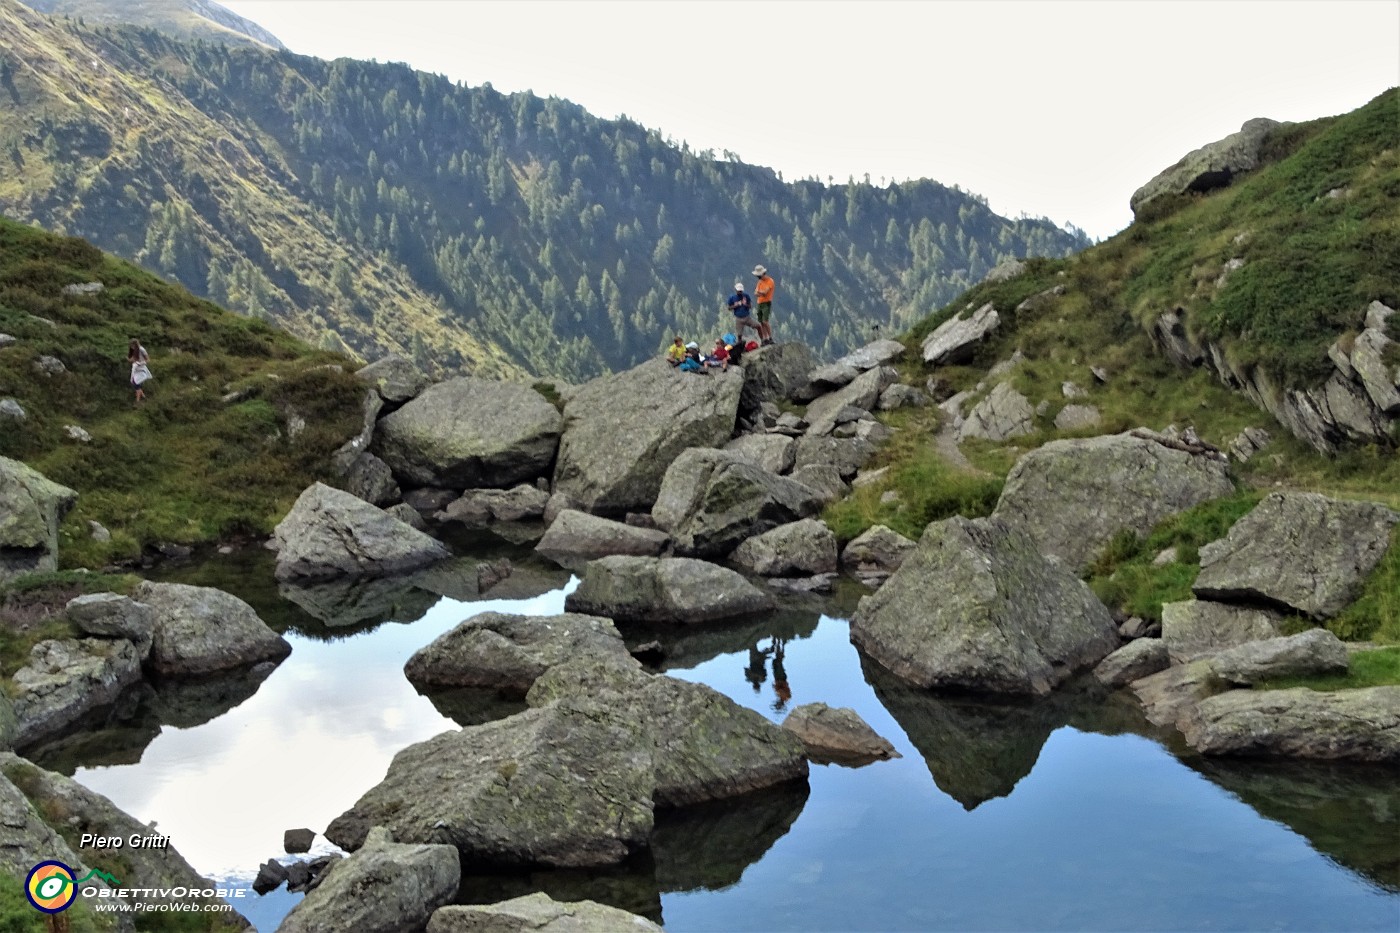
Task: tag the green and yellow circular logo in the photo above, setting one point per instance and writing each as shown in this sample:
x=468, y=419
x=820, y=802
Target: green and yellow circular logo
x=51, y=887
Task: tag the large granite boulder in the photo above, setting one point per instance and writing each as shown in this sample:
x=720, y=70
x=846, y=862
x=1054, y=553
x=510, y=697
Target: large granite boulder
x=199, y=629
x=111, y=615
x=955, y=340
x=395, y=378
x=664, y=589
x=330, y=533
x=1212, y=166
x=1308, y=654
x=976, y=606
x=824, y=479
x=553, y=786
x=798, y=549
x=1139, y=658
x=703, y=746
x=862, y=393
x=31, y=508
x=538, y=913
x=1074, y=496
x=773, y=452
x=778, y=373
x=1345, y=725
x=621, y=432
x=1301, y=550
x=711, y=500
x=69, y=677
x=383, y=888
x=508, y=652
x=1195, y=628
x=579, y=535
x=1002, y=415
x=846, y=454
x=876, y=548
x=871, y=356
x=469, y=433
x=837, y=734
x=369, y=478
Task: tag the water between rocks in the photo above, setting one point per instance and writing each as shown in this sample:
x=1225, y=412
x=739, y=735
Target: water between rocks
x=1069, y=813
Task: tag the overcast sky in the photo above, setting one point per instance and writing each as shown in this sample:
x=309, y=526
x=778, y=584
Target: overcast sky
x=1049, y=108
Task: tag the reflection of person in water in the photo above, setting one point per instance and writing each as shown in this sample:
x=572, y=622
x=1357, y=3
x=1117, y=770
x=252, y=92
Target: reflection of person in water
x=780, y=681
x=757, y=671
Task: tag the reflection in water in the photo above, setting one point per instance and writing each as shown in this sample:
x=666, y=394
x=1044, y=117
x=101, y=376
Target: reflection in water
x=1351, y=813
x=976, y=748
x=473, y=706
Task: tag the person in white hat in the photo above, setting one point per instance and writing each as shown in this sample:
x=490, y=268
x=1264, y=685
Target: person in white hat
x=763, y=295
x=742, y=306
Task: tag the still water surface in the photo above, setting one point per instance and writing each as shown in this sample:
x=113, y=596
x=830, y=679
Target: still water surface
x=1071, y=813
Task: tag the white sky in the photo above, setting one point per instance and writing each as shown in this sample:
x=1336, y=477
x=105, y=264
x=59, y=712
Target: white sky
x=1052, y=108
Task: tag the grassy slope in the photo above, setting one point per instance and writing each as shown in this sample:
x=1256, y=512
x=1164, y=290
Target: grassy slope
x=184, y=466
x=1312, y=264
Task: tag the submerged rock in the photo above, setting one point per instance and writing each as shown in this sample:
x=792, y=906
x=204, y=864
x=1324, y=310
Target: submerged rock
x=976, y=606
x=664, y=589
x=837, y=735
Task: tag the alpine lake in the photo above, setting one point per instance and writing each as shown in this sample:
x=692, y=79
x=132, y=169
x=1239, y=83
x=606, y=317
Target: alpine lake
x=1068, y=813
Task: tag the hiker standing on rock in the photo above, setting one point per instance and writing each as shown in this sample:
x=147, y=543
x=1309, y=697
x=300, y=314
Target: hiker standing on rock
x=763, y=294
x=137, y=356
x=742, y=306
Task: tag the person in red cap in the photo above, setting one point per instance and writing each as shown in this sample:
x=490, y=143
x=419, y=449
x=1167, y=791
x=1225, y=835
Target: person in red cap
x=763, y=296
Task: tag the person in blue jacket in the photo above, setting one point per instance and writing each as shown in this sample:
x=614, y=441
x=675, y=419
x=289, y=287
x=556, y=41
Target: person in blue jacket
x=742, y=306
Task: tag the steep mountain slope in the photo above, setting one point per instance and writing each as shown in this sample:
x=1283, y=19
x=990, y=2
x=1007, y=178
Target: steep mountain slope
x=241, y=416
x=187, y=19
x=400, y=211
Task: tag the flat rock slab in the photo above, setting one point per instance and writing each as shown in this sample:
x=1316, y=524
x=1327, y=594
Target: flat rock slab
x=555, y=786
x=976, y=606
x=664, y=589
x=508, y=652
x=837, y=735
x=1345, y=725
x=577, y=534
x=538, y=913
x=1002, y=415
x=1074, y=496
x=199, y=629
x=1135, y=660
x=955, y=339
x=1168, y=696
x=1301, y=550
x=330, y=533
x=1308, y=654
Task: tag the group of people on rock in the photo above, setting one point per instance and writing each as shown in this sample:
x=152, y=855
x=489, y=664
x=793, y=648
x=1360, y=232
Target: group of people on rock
x=751, y=312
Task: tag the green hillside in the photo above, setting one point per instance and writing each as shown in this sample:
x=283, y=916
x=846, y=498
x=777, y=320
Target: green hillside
x=398, y=210
x=1311, y=265
x=188, y=465
x=188, y=19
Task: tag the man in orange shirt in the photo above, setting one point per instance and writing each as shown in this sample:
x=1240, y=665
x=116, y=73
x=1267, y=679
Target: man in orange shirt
x=763, y=295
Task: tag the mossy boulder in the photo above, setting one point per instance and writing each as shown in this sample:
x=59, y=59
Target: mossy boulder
x=976, y=606
x=31, y=508
x=331, y=534
x=1212, y=166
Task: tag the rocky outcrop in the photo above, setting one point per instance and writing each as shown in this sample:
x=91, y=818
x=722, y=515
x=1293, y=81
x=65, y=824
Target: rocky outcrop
x=67, y=678
x=871, y=356
x=703, y=746
x=1333, y=413
x=1308, y=654
x=862, y=394
x=1074, y=496
x=330, y=533
x=31, y=508
x=621, y=432
x=369, y=478
x=1302, y=551
x=537, y=913
x=1002, y=415
x=846, y=454
x=824, y=479
x=553, y=786
x=798, y=549
x=778, y=373
x=1168, y=696
x=976, y=606
x=395, y=378
x=955, y=339
x=1137, y=659
x=837, y=735
x=1345, y=725
x=1194, y=628
x=470, y=433
x=579, y=535
x=710, y=501
x=876, y=548
x=1212, y=166
x=199, y=629
x=664, y=589
x=383, y=888
x=509, y=652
